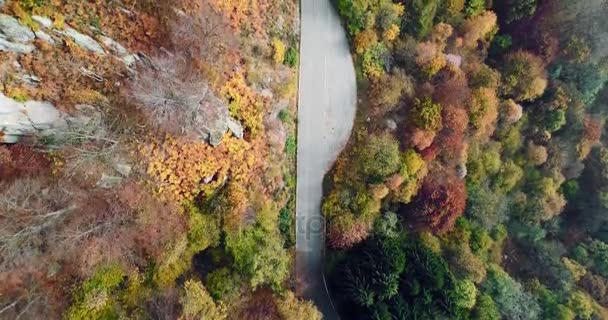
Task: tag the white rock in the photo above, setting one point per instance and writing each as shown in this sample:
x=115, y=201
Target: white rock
x=30, y=79
x=114, y=46
x=82, y=40
x=13, y=30
x=108, y=182
x=22, y=118
x=123, y=168
x=235, y=127
x=130, y=59
x=8, y=46
x=44, y=36
x=43, y=21
x=391, y=124
x=454, y=59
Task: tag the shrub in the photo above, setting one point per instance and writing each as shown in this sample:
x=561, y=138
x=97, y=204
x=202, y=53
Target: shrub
x=291, y=57
x=291, y=147
x=95, y=298
x=278, y=51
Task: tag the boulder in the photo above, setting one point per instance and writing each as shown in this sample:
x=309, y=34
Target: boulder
x=235, y=127
x=461, y=171
x=391, y=124
x=18, y=119
x=43, y=21
x=44, y=36
x=30, y=79
x=108, y=182
x=14, y=31
x=123, y=168
x=8, y=46
x=454, y=59
x=114, y=46
x=82, y=40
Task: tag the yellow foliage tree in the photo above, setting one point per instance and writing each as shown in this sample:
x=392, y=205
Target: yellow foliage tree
x=365, y=40
x=278, y=48
x=391, y=33
x=243, y=103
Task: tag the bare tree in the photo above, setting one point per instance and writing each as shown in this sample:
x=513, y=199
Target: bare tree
x=86, y=137
x=170, y=94
x=204, y=34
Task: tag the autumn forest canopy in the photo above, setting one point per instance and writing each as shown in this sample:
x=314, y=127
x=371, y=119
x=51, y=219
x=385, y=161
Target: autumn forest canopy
x=148, y=161
x=153, y=174
x=474, y=185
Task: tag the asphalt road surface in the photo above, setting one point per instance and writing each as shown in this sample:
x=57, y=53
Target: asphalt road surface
x=327, y=105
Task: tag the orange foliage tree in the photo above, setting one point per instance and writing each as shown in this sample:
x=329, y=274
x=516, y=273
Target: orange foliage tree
x=183, y=169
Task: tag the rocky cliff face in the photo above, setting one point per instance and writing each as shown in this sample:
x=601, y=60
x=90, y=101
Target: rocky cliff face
x=23, y=118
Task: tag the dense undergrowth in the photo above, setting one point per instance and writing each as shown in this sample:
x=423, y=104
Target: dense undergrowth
x=188, y=230
x=474, y=186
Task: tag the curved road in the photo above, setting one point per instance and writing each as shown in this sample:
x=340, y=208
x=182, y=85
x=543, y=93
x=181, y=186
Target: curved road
x=328, y=94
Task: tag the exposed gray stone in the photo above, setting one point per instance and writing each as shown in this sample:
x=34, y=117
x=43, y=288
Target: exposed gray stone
x=108, y=182
x=22, y=118
x=391, y=124
x=8, y=46
x=213, y=120
x=13, y=30
x=114, y=46
x=454, y=59
x=130, y=59
x=82, y=40
x=123, y=168
x=235, y=127
x=30, y=79
x=43, y=21
x=44, y=36
x=462, y=171
x=208, y=179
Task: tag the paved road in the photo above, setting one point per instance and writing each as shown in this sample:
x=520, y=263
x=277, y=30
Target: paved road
x=327, y=107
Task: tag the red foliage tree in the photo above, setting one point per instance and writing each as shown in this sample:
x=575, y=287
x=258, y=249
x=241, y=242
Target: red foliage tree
x=22, y=160
x=260, y=306
x=453, y=90
x=346, y=231
x=440, y=202
x=451, y=138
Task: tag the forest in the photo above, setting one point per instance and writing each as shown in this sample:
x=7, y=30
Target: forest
x=475, y=183
x=167, y=190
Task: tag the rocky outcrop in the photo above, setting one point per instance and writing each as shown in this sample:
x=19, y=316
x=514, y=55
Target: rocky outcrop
x=82, y=40
x=9, y=46
x=19, y=119
x=15, y=37
x=14, y=31
x=214, y=121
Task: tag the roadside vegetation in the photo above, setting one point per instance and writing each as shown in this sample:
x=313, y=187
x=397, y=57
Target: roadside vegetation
x=474, y=184
x=169, y=193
